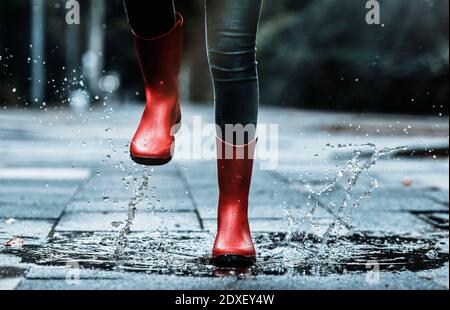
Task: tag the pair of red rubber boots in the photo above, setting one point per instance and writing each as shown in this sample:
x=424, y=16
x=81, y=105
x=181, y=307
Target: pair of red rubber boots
x=153, y=144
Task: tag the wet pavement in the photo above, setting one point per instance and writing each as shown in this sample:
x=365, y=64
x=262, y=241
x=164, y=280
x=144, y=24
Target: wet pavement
x=76, y=213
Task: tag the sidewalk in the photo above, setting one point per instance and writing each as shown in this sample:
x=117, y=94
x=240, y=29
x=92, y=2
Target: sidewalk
x=66, y=182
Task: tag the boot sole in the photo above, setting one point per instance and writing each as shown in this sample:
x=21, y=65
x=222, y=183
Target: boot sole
x=155, y=161
x=233, y=261
x=151, y=161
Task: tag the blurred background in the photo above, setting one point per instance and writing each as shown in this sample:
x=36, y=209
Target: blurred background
x=312, y=54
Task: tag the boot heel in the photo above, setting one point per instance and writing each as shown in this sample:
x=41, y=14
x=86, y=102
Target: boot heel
x=233, y=261
x=151, y=161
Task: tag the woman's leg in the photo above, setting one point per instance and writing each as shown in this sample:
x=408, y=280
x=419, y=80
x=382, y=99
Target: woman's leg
x=231, y=34
x=150, y=18
x=231, y=37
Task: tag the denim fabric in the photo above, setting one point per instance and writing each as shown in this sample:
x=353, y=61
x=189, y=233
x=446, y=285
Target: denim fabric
x=232, y=27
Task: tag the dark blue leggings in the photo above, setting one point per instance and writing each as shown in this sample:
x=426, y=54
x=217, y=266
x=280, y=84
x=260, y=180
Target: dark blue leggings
x=231, y=39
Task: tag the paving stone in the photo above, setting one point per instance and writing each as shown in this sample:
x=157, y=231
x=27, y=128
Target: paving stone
x=94, y=221
x=35, y=198
x=11, y=272
x=17, y=188
x=401, y=223
x=32, y=231
x=440, y=197
x=388, y=281
x=9, y=284
x=388, y=200
x=428, y=175
x=161, y=192
x=31, y=211
x=439, y=276
x=81, y=206
x=41, y=273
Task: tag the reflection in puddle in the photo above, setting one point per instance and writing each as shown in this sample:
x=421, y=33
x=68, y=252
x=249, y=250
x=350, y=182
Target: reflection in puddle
x=188, y=254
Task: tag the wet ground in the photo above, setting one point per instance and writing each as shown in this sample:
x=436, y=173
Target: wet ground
x=184, y=254
x=335, y=214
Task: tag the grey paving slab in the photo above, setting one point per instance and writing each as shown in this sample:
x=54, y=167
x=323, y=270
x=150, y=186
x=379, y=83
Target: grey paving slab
x=401, y=223
x=39, y=186
x=9, y=283
x=32, y=231
x=21, y=188
x=420, y=174
x=35, y=198
x=438, y=276
x=388, y=281
x=120, y=180
x=61, y=273
x=95, y=221
x=388, y=200
x=31, y=210
x=113, y=205
x=94, y=195
x=11, y=272
x=439, y=196
x=167, y=192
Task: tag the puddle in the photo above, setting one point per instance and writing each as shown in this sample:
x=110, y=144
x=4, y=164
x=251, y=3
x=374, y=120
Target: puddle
x=188, y=254
x=354, y=253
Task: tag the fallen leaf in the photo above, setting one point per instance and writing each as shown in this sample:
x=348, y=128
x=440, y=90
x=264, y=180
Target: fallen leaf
x=15, y=242
x=407, y=182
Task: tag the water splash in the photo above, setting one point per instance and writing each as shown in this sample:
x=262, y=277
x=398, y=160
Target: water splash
x=139, y=194
x=357, y=168
x=352, y=171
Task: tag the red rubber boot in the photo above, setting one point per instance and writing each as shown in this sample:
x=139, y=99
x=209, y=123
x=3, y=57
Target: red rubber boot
x=160, y=61
x=234, y=246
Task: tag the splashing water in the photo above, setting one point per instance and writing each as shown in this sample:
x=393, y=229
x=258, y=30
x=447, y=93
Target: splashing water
x=357, y=168
x=139, y=195
x=353, y=170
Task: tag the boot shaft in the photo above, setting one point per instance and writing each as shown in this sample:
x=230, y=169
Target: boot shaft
x=160, y=60
x=235, y=169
